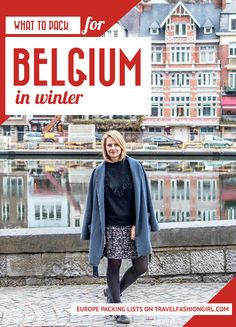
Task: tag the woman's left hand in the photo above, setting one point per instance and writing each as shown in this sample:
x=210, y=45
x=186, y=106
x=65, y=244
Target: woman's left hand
x=132, y=236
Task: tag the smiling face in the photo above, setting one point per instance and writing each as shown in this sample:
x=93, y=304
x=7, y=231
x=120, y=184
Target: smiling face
x=113, y=149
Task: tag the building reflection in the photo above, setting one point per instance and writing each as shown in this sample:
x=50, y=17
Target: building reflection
x=53, y=193
x=183, y=196
x=13, y=195
x=57, y=193
x=228, y=196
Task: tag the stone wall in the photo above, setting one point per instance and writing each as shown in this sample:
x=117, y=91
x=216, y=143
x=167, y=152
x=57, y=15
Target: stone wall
x=58, y=256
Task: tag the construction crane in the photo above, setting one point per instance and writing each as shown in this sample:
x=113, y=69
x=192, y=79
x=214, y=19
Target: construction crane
x=55, y=121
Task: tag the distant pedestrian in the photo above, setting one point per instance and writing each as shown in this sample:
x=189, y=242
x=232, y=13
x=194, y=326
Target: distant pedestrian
x=119, y=217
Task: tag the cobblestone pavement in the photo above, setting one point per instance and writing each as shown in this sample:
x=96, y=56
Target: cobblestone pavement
x=50, y=305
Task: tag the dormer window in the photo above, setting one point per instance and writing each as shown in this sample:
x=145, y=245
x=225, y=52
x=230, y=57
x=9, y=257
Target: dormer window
x=208, y=26
x=232, y=23
x=154, y=31
x=154, y=28
x=180, y=30
x=207, y=30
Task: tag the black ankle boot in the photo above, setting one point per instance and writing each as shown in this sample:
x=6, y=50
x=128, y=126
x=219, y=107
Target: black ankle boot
x=107, y=295
x=123, y=319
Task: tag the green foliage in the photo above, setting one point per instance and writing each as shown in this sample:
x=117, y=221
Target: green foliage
x=103, y=125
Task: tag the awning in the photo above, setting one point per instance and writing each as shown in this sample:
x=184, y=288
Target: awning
x=228, y=103
x=229, y=195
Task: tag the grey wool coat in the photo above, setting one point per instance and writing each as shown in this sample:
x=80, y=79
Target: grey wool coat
x=93, y=228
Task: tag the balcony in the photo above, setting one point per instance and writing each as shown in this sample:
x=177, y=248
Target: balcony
x=228, y=120
x=229, y=90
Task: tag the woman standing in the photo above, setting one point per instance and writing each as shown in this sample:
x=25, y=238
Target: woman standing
x=119, y=217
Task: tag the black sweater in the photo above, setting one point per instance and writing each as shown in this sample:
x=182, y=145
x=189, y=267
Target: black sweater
x=119, y=194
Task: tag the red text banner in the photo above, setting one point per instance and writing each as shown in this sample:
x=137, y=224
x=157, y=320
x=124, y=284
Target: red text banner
x=104, y=13
x=72, y=75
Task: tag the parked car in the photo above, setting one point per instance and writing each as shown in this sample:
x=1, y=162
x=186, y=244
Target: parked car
x=98, y=138
x=49, y=137
x=39, y=137
x=33, y=137
x=223, y=165
x=215, y=141
x=162, y=141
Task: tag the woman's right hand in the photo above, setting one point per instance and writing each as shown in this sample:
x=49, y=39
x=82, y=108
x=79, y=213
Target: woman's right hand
x=132, y=234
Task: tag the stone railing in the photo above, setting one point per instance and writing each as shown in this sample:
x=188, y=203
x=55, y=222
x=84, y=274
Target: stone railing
x=181, y=252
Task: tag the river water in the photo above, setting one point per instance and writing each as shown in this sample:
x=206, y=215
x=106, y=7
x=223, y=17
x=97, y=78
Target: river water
x=52, y=193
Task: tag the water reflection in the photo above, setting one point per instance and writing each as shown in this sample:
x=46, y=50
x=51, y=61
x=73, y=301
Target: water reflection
x=52, y=193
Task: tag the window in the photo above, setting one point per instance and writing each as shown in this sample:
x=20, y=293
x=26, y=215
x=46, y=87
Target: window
x=206, y=190
x=58, y=212
x=180, y=106
x=157, y=188
x=37, y=213
x=154, y=31
x=157, y=106
x=77, y=222
x=180, y=11
x=156, y=54
x=16, y=117
x=6, y=130
x=51, y=211
x=207, y=30
x=48, y=211
x=13, y=186
x=20, y=211
x=5, y=211
x=180, y=215
x=206, y=79
x=232, y=50
x=206, y=215
x=231, y=213
x=180, y=79
x=159, y=215
x=207, y=54
x=180, y=189
x=154, y=130
x=207, y=106
x=207, y=130
x=180, y=29
x=232, y=80
x=232, y=23
x=111, y=33
x=44, y=212
x=157, y=79
x=180, y=54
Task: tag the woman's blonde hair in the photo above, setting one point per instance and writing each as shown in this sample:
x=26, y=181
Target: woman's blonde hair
x=118, y=138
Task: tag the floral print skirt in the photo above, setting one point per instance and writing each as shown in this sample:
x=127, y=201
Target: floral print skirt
x=119, y=244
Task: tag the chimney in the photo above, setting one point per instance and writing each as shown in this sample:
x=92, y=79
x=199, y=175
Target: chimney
x=140, y=7
x=145, y=5
x=225, y=3
x=218, y=3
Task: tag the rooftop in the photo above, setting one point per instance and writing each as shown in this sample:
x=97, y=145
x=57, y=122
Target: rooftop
x=202, y=13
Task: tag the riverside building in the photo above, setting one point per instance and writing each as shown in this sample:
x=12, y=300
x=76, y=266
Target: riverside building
x=186, y=70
